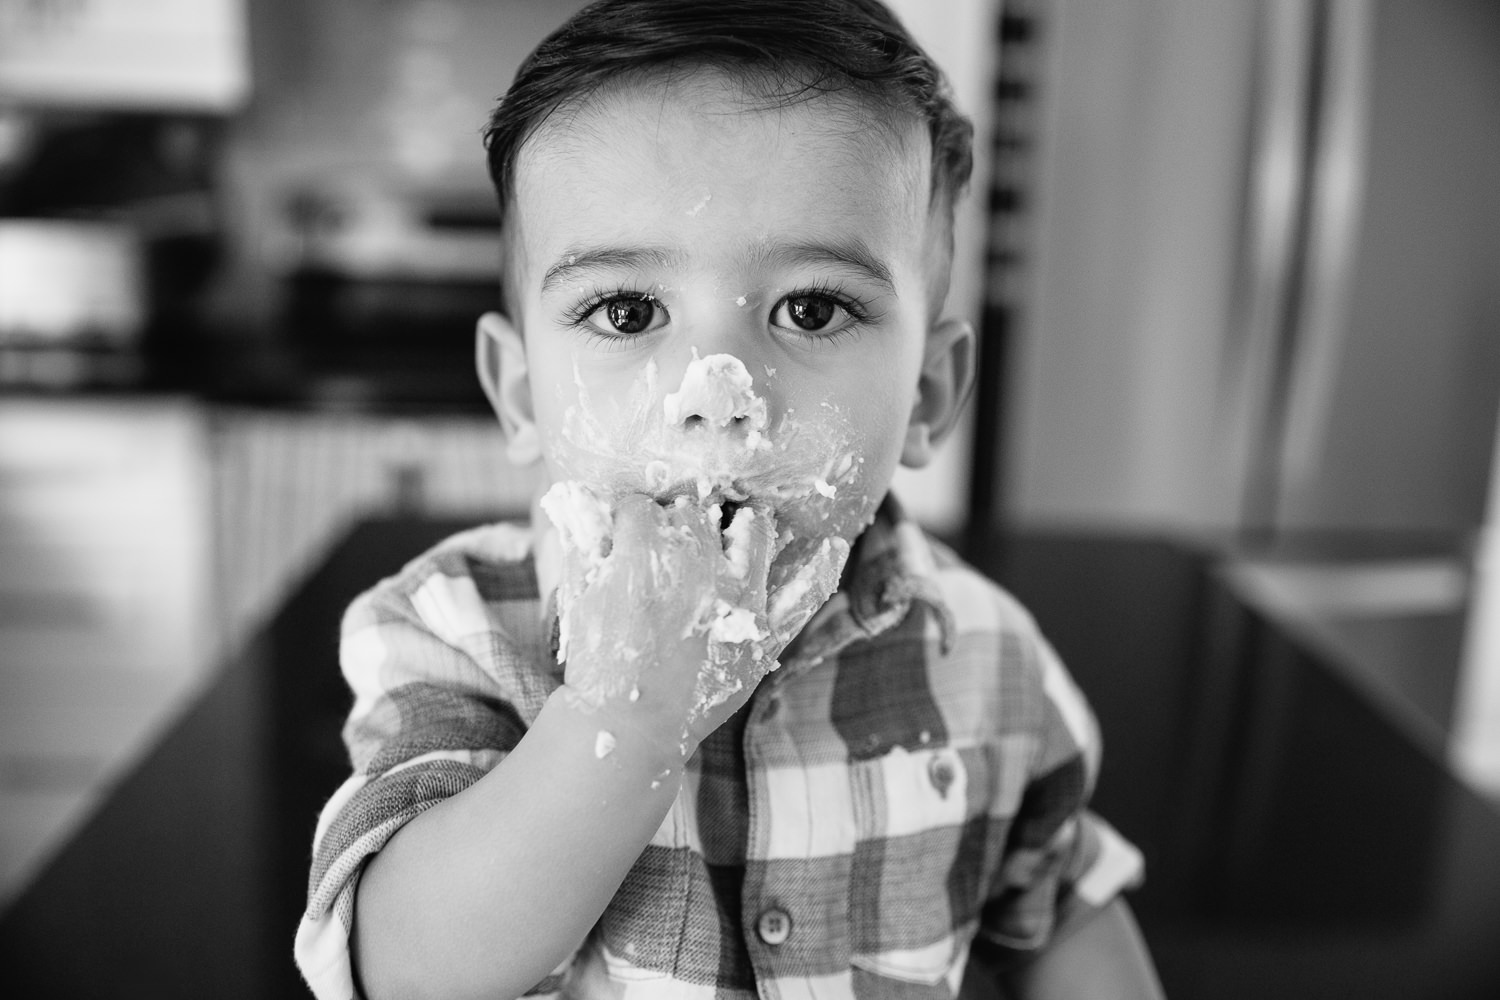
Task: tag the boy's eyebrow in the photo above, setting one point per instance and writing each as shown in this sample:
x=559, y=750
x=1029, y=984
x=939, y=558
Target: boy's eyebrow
x=580, y=260
x=851, y=253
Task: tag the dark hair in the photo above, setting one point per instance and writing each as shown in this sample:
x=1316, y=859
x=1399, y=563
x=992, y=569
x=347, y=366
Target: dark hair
x=802, y=47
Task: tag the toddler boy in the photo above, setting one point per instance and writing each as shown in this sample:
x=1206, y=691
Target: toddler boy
x=721, y=722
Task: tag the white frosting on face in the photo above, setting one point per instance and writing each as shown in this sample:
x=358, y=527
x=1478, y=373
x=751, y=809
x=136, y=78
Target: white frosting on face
x=737, y=542
x=713, y=439
x=582, y=519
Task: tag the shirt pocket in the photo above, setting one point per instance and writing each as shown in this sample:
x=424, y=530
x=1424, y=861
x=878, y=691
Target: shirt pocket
x=918, y=870
x=622, y=969
x=599, y=972
x=638, y=937
x=943, y=962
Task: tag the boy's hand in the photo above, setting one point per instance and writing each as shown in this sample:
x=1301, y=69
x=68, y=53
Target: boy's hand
x=800, y=583
x=666, y=622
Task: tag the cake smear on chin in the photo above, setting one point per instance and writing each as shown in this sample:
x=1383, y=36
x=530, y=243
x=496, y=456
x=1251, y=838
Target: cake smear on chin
x=768, y=509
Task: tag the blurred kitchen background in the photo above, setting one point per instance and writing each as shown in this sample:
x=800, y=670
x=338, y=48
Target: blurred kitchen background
x=1236, y=265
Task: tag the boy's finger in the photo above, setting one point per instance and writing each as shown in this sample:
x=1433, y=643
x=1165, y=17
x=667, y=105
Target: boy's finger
x=695, y=523
x=671, y=547
x=798, y=599
x=636, y=519
x=749, y=546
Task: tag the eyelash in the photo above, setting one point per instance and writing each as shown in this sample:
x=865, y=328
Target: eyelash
x=857, y=313
x=579, y=314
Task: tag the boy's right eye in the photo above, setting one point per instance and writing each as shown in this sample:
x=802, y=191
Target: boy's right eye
x=626, y=315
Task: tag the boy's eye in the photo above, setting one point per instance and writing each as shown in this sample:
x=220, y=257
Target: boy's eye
x=627, y=314
x=810, y=313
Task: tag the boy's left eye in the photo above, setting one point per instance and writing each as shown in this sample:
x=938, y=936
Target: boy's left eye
x=811, y=313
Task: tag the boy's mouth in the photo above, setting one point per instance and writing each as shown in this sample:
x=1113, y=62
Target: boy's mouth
x=704, y=491
x=729, y=503
x=727, y=510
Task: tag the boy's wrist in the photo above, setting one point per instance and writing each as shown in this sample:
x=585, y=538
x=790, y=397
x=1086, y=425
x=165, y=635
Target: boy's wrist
x=627, y=731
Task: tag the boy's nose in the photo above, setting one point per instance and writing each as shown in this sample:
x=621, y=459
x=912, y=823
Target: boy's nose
x=694, y=419
x=716, y=392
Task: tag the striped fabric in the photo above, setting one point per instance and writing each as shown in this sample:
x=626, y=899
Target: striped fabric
x=914, y=777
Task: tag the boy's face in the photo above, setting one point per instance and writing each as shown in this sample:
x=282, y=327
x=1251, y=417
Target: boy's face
x=670, y=221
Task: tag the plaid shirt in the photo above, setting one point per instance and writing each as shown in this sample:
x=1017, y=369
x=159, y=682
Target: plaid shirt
x=914, y=776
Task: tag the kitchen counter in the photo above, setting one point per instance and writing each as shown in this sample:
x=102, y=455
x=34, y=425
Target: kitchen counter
x=1300, y=843
x=316, y=356
x=382, y=378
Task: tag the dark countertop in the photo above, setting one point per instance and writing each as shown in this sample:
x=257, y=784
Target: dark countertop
x=382, y=377
x=320, y=341
x=1299, y=843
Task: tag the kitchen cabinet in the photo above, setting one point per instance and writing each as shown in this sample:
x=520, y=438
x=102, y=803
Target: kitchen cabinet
x=288, y=483
x=143, y=540
x=126, y=53
x=104, y=599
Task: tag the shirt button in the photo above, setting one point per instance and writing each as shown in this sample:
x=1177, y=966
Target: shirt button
x=775, y=926
x=940, y=773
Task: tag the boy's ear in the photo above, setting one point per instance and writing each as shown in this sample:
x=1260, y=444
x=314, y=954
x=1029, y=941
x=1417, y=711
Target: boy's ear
x=500, y=358
x=948, y=367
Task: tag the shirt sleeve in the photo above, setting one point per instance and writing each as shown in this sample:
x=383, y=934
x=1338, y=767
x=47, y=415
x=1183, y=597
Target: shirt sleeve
x=440, y=698
x=1061, y=862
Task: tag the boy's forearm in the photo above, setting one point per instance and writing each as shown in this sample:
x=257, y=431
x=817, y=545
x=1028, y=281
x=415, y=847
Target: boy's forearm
x=486, y=893
x=1103, y=957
